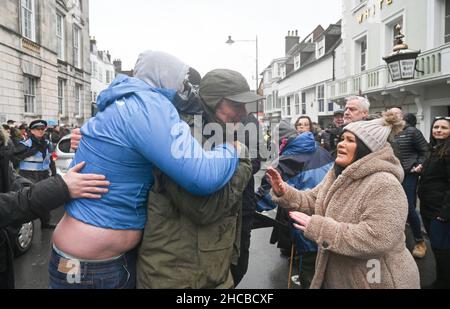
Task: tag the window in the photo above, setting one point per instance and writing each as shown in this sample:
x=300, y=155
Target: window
x=303, y=103
x=78, y=101
x=283, y=106
x=61, y=96
x=320, y=98
x=60, y=36
x=288, y=106
x=447, y=21
x=331, y=106
x=320, y=51
x=363, y=45
x=77, y=47
x=276, y=100
x=268, y=76
x=297, y=104
x=29, y=91
x=100, y=74
x=28, y=15
x=108, y=76
x=269, y=102
x=94, y=69
x=297, y=62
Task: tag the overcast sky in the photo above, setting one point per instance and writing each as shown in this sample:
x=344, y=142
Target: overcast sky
x=196, y=30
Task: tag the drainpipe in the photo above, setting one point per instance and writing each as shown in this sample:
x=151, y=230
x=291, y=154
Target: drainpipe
x=334, y=64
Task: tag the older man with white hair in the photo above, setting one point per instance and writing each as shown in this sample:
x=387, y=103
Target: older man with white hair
x=356, y=109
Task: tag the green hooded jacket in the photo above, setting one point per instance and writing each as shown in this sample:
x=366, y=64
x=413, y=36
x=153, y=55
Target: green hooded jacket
x=189, y=241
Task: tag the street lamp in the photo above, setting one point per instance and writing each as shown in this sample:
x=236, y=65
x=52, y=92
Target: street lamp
x=230, y=41
x=402, y=62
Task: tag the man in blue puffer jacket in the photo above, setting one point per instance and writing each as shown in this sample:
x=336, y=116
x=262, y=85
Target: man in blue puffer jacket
x=303, y=164
x=137, y=128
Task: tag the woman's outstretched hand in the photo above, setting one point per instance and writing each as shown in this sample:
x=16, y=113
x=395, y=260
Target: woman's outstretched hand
x=302, y=220
x=278, y=185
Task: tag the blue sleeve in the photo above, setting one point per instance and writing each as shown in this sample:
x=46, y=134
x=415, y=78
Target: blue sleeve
x=162, y=138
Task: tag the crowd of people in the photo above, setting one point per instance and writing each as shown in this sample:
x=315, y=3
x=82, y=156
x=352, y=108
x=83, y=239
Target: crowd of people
x=21, y=200
x=150, y=202
x=353, y=225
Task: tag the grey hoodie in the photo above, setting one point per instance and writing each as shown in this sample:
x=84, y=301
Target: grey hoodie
x=161, y=70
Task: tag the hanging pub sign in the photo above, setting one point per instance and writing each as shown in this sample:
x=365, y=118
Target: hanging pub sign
x=402, y=62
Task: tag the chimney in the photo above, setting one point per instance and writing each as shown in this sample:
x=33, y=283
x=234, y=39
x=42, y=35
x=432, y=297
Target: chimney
x=108, y=55
x=118, y=65
x=291, y=40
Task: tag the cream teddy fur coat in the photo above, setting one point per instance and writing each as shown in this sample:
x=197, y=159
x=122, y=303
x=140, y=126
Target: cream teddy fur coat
x=358, y=221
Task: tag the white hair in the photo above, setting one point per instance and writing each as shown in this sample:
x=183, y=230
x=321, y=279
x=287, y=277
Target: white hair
x=363, y=102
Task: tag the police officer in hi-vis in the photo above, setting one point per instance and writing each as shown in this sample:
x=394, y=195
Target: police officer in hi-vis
x=36, y=163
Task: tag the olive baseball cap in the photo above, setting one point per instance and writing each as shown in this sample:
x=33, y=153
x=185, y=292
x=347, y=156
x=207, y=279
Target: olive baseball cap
x=226, y=84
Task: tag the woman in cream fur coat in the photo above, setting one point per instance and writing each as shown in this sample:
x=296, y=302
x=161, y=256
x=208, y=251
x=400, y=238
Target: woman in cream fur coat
x=357, y=215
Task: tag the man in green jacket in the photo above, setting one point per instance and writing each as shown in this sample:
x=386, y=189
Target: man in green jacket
x=191, y=241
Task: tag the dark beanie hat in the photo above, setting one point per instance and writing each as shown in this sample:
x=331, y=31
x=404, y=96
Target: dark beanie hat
x=194, y=77
x=410, y=119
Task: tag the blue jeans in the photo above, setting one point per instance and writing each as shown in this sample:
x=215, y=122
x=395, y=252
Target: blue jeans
x=410, y=186
x=69, y=273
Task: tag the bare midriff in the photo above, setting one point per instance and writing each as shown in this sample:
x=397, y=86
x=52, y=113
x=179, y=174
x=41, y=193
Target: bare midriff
x=88, y=242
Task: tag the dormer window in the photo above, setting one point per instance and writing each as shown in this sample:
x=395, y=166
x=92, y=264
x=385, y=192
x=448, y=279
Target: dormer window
x=297, y=62
x=320, y=48
x=282, y=69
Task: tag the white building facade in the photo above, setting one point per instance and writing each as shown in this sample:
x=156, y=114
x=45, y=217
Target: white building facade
x=44, y=61
x=368, y=36
x=295, y=85
x=103, y=73
x=272, y=105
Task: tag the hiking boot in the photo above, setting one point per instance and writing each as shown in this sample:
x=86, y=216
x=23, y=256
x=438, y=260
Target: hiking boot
x=296, y=280
x=420, y=249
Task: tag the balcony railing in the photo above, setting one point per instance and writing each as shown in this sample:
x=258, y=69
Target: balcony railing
x=430, y=63
x=367, y=81
x=377, y=79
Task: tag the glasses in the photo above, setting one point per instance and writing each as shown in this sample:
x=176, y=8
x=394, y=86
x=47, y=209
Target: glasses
x=40, y=129
x=442, y=118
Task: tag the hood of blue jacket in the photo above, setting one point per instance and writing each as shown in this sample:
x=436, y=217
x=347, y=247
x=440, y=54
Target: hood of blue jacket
x=304, y=143
x=124, y=86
